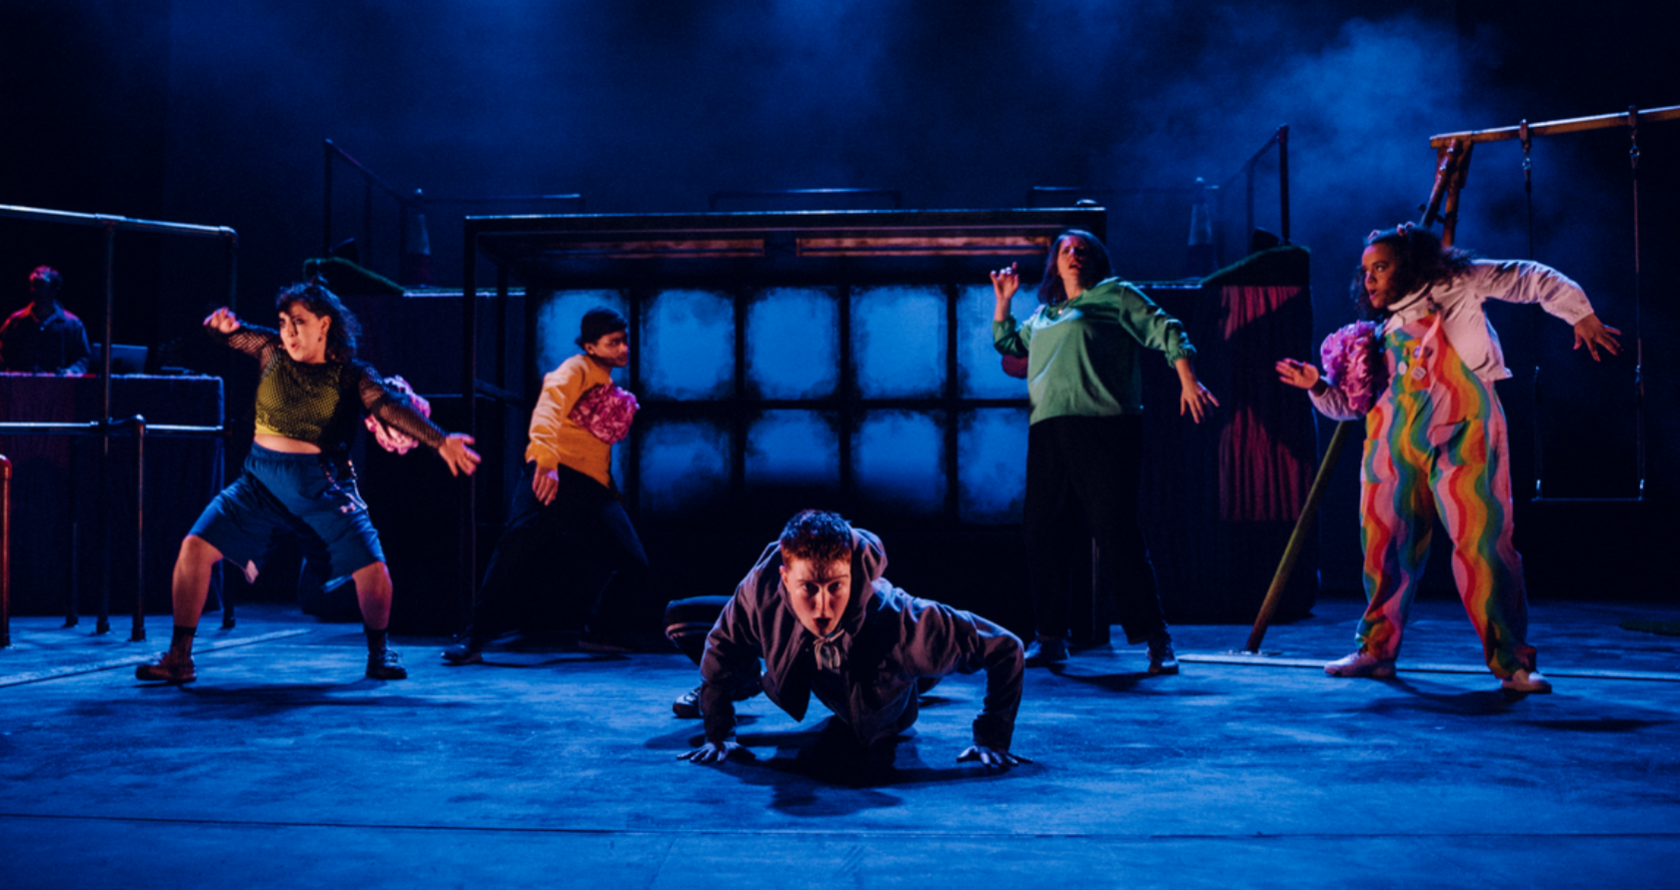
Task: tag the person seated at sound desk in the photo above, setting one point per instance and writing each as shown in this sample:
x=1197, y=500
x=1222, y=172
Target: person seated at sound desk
x=44, y=337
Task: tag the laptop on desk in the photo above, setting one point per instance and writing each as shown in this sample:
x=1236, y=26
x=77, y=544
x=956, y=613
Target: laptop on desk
x=125, y=359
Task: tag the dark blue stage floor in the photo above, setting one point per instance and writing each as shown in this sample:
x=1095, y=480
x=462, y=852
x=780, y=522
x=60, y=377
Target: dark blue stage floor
x=281, y=767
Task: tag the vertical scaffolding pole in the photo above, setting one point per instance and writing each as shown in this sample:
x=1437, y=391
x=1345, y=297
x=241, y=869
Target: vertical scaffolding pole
x=138, y=633
x=5, y=552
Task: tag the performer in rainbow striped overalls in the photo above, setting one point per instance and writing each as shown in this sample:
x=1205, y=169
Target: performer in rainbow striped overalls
x=1422, y=376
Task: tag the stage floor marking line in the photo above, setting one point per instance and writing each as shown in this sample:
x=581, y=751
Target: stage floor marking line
x=94, y=667
x=875, y=834
x=1424, y=668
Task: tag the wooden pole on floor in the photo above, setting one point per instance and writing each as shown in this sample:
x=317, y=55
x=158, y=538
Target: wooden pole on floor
x=1297, y=538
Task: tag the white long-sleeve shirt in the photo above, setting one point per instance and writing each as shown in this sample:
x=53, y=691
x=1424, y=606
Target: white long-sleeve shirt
x=1464, y=323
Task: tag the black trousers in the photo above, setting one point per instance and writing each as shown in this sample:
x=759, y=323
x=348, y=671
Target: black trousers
x=570, y=548
x=687, y=622
x=1083, y=475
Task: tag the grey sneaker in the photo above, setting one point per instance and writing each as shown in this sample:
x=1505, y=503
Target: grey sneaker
x=687, y=705
x=1361, y=664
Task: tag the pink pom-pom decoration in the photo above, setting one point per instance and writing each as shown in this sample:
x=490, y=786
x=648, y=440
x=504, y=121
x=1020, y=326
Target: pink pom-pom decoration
x=393, y=440
x=606, y=412
x=1353, y=363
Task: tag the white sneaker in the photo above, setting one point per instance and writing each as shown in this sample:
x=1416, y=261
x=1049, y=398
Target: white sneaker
x=1361, y=664
x=1529, y=682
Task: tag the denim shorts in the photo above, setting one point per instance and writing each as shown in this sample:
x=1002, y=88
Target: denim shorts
x=312, y=496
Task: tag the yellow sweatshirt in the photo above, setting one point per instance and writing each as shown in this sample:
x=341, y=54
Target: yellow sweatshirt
x=557, y=440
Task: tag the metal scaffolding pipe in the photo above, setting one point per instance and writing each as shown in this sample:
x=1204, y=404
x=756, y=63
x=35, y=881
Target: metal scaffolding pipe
x=5, y=552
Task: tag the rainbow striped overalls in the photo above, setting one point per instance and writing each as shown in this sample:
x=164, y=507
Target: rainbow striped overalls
x=1435, y=445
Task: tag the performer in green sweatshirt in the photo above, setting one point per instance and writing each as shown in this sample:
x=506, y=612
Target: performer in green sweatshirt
x=1085, y=442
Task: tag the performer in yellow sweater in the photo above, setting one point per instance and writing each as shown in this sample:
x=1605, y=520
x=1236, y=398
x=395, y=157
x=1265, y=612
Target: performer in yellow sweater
x=567, y=533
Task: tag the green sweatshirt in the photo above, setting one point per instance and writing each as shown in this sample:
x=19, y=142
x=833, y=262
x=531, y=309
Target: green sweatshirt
x=1082, y=355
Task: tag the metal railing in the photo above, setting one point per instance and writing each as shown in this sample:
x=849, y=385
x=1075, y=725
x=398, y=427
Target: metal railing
x=139, y=429
x=408, y=205
x=5, y=552
x=105, y=426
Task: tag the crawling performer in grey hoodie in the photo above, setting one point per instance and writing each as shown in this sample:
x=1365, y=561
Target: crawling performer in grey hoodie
x=816, y=608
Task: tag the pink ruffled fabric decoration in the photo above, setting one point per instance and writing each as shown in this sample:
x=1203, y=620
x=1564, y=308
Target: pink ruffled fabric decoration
x=1353, y=363
x=605, y=411
x=390, y=439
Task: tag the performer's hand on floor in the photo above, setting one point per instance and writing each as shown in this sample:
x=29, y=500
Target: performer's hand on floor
x=545, y=486
x=457, y=455
x=990, y=758
x=715, y=752
x=1297, y=374
x=223, y=321
x=1594, y=333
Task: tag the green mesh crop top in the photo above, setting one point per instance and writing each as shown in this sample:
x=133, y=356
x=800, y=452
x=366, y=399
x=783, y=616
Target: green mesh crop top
x=322, y=404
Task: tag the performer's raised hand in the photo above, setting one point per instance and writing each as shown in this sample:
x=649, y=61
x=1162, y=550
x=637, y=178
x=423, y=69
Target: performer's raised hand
x=990, y=758
x=1593, y=333
x=1005, y=282
x=457, y=455
x=222, y=321
x=1298, y=374
x=716, y=752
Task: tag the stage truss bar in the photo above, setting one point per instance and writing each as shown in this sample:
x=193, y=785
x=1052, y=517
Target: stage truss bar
x=121, y=223
x=1552, y=128
x=896, y=195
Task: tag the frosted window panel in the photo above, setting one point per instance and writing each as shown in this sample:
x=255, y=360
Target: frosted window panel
x=792, y=448
x=558, y=321
x=688, y=345
x=684, y=465
x=898, y=342
x=793, y=343
x=979, y=364
x=897, y=459
x=992, y=465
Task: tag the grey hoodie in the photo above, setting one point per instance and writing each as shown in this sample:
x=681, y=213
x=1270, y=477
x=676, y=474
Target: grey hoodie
x=888, y=639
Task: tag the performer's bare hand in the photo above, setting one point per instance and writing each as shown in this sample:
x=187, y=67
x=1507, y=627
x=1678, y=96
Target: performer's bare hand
x=457, y=455
x=715, y=752
x=1193, y=398
x=222, y=321
x=1298, y=374
x=1005, y=282
x=545, y=485
x=991, y=759
x=1196, y=400
x=1594, y=333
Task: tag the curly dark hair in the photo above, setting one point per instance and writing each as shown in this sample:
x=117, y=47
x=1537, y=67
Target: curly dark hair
x=1050, y=290
x=817, y=535
x=344, y=331
x=1420, y=260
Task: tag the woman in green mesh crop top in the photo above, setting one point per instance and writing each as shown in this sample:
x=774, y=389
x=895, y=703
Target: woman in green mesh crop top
x=298, y=478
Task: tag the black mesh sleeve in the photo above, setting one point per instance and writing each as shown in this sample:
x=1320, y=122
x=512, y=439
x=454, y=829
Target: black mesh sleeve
x=394, y=410
x=254, y=340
